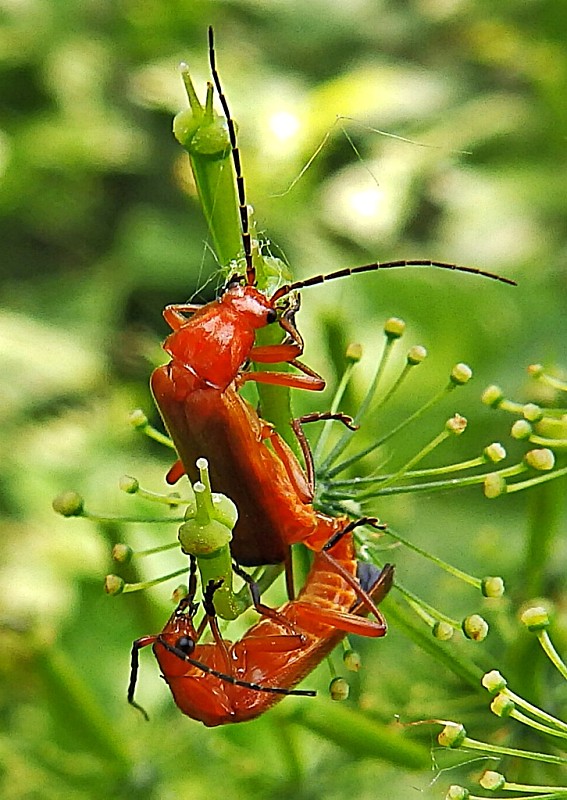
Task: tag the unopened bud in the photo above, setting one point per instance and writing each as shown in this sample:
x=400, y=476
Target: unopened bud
x=353, y=353
x=492, y=587
x=68, y=504
x=475, y=627
x=128, y=484
x=113, y=584
x=443, y=631
x=535, y=370
x=456, y=425
x=352, y=660
x=339, y=689
x=502, y=706
x=492, y=396
x=541, y=459
x=521, y=430
x=137, y=418
x=492, y=781
x=532, y=412
x=456, y=792
x=494, y=485
x=416, y=355
x=535, y=618
x=494, y=681
x=461, y=374
x=394, y=327
x=122, y=553
x=452, y=735
x=494, y=452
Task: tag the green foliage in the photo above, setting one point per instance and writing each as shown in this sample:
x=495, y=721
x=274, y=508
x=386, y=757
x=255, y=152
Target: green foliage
x=100, y=227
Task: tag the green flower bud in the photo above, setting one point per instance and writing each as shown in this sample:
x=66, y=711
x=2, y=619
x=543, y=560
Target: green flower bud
x=494, y=681
x=535, y=618
x=492, y=781
x=113, y=584
x=452, y=735
x=416, y=355
x=475, y=627
x=492, y=587
x=521, y=430
x=492, y=396
x=494, y=453
x=122, y=553
x=203, y=540
x=502, y=706
x=456, y=425
x=532, y=412
x=494, y=485
x=443, y=631
x=352, y=660
x=128, y=484
x=461, y=374
x=68, y=504
x=456, y=792
x=394, y=328
x=541, y=459
x=535, y=370
x=353, y=353
x=138, y=419
x=339, y=689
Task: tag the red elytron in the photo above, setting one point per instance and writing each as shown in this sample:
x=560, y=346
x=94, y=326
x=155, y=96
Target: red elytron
x=224, y=682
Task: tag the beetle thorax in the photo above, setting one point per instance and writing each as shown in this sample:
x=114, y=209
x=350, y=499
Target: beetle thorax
x=250, y=304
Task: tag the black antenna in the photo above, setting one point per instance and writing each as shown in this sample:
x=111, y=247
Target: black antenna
x=343, y=273
x=243, y=208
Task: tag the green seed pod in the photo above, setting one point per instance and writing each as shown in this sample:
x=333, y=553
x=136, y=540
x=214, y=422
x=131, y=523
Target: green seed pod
x=68, y=504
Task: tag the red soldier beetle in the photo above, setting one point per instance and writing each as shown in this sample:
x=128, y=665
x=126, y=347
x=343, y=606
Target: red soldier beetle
x=222, y=682
x=197, y=395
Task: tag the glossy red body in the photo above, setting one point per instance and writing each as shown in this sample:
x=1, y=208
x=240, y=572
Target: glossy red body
x=326, y=609
x=205, y=416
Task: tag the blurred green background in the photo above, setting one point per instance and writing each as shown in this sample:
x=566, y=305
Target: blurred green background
x=100, y=227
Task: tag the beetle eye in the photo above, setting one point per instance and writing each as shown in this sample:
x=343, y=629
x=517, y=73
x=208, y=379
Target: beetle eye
x=185, y=644
x=271, y=316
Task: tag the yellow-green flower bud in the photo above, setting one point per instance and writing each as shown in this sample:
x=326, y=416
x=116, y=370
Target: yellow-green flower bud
x=494, y=681
x=122, y=553
x=138, y=419
x=494, y=485
x=492, y=781
x=521, y=429
x=443, y=631
x=452, y=735
x=535, y=370
x=113, y=584
x=68, y=504
x=203, y=540
x=502, y=706
x=541, y=459
x=128, y=484
x=352, y=660
x=492, y=586
x=416, y=355
x=456, y=792
x=535, y=618
x=494, y=452
x=456, y=425
x=475, y=627
x=353, y=353
x=394, y=327
x=339, y=689
x=532, y=412
x=461, y=374
x=492, y=396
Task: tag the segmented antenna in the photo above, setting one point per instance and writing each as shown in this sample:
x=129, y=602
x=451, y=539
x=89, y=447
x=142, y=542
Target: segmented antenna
x=243, y=208
x=343, y=273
